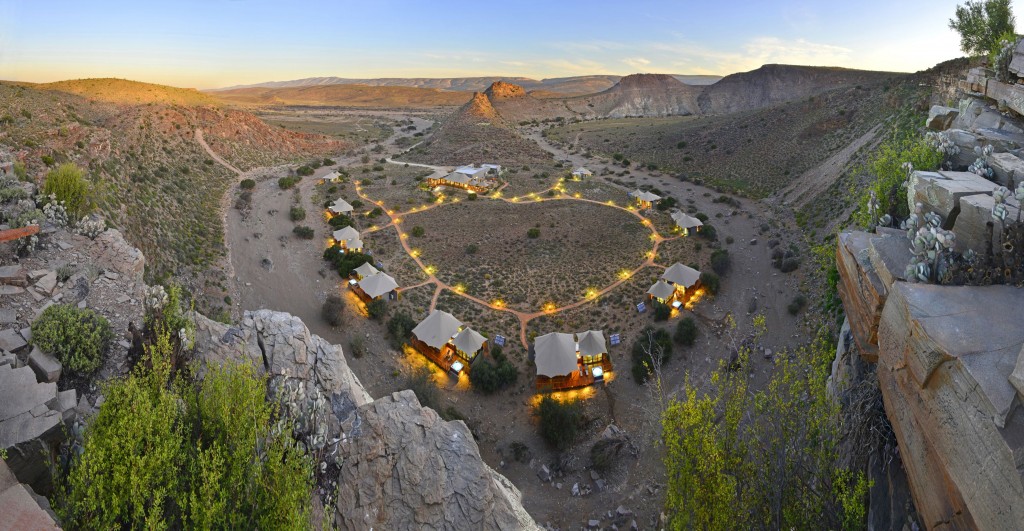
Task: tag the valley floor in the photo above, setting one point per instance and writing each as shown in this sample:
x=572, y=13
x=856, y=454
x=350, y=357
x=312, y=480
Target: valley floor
x=273, y=269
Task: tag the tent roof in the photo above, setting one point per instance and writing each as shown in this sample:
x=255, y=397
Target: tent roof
x=437, y=329
x=366, y=270
x=469, y=341
x=469, y=170
x=682, y=275
x=457, y=177
x=377, y=284
x=646, y=196
x=354, y=243
x=592, y=342
x=332, y=176
x=345, y=234
x=340, y=206
x=661, y=289
x=555, y=354
x=583, y=171
x=684, y=221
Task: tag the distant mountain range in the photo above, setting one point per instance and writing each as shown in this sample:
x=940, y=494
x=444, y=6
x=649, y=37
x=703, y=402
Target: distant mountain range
x=565, y=85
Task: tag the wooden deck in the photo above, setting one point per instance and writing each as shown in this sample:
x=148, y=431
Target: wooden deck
x=444, y=358
x=574, y=380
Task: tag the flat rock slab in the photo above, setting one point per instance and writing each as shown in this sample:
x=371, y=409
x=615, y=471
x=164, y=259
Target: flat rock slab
x=11, y=340
x=1008, y=169
x=890, y=256
x=941, y=118
x=47, y=284
x=20, y=392
x=8, y=316
x=862, y=291
x=6, y=289
x=14, y=275
x=940, y=192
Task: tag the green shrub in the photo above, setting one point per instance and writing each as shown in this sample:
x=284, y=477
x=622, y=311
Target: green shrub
x=48, y=160
x=656, y=340
x=662, y=311
x=798, y=303
x=708, y=232
x=720, y=261
x=68, y=183
x=377, y=309
x=287, y=182
x=488, y=377
x=340, y=222
x=710, y=281
x=297, y=213
x=329, y=162
x=344, y=262
x=417, y=231
x=333, y=310
x=304, y=171
x=19, y=170
x=77, y=337
x=304, y=232
x=377, y=211
x=247, y=184
x=399, y=327
x=472, y=248
x=686, y=331
x=534, y=232
x=165, y=452
x=356, y=347
x=559, y=421
x=356, y=203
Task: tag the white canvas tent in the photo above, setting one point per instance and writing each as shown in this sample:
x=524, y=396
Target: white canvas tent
x=437, y=329
x=591, y=343
x=366, y=270
x=331, y=177
x=555, y=354
x=345, y=234
x=469, y=341
x=377, y=285
x=646, y=197
x=661, y=290
x=681, y=275
x=340, y=206
x=581, y=172
x=686, y=222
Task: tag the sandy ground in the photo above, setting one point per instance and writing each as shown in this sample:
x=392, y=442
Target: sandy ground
x=274, y=269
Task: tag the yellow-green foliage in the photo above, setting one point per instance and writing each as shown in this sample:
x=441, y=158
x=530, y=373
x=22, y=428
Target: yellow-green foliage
x=738, y=459
x=68, y=183
x=886, y=166
x=167, y=452
x=77, y=337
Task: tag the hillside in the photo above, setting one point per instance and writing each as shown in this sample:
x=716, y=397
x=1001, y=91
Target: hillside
x=152, y=179
x=123, y=91
x=344, y=96
x=478, y=132
x=773, y=84
x=515, y=105
x=755, y=152
x=640, y=95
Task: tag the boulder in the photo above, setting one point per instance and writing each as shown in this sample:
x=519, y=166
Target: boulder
x=120, y=255
x=975, y=113
x=11, y=340
x=1001, y=140
x=946, y=356
x=403, y=467
x=46, y=367
x=1008, y=169
x=1017, y=376
x=971, y=227
x=1017, y=62
x=48, y=283
x=941, y=118
x=977, y=78
x=941, y=192
x=20, y=506
x=31, y=420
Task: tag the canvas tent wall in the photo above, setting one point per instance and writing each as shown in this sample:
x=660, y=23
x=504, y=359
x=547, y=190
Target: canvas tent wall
x=555, y=355
x=437, y=329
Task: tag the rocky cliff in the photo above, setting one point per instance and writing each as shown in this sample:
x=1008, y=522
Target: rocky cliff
x=396, y=464
x=640, y=95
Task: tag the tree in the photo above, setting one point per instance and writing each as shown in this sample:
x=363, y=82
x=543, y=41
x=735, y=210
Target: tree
x=982, y=24
x=333, y=310
x=68, y=184
x=686, y=331
x=559, y=421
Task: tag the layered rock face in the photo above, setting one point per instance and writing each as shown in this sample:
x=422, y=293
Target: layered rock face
x=396, y=464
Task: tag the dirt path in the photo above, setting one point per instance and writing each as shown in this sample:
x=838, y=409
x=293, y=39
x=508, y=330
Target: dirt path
x=213, y=154
x=818, y=179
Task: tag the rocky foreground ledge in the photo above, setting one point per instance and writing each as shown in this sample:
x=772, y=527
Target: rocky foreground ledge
x=395, y=464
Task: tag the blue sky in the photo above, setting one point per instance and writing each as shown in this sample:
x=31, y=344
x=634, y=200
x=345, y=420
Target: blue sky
x=215, y=43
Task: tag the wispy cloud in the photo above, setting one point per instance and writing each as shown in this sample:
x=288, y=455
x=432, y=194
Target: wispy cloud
x=756, y=52
x=637, y=62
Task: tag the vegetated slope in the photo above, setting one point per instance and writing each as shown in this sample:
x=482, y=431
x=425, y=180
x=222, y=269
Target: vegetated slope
x=152, y=179
x=515, y=106
x=640, y=95
x=345, y=96
x=754, y=152
x=477, y=132
x=124, y=91
x=773, y=84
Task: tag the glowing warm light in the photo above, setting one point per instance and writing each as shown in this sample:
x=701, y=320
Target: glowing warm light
x=549, y=307
x=430, y=269
x=695, y=298
x=591, y=293
x=582, y=393
x=624, y=274
x=514, y=199
x=577, y=195
x=459, y=288
x=610, y=202
x=397, y=220
x=498, y=303
x=415, y=253
x=649, y=254
x=405, y=236
x=455, y=200
x=390, y=212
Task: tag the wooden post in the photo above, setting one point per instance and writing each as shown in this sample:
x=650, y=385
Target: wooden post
x=14, y=234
